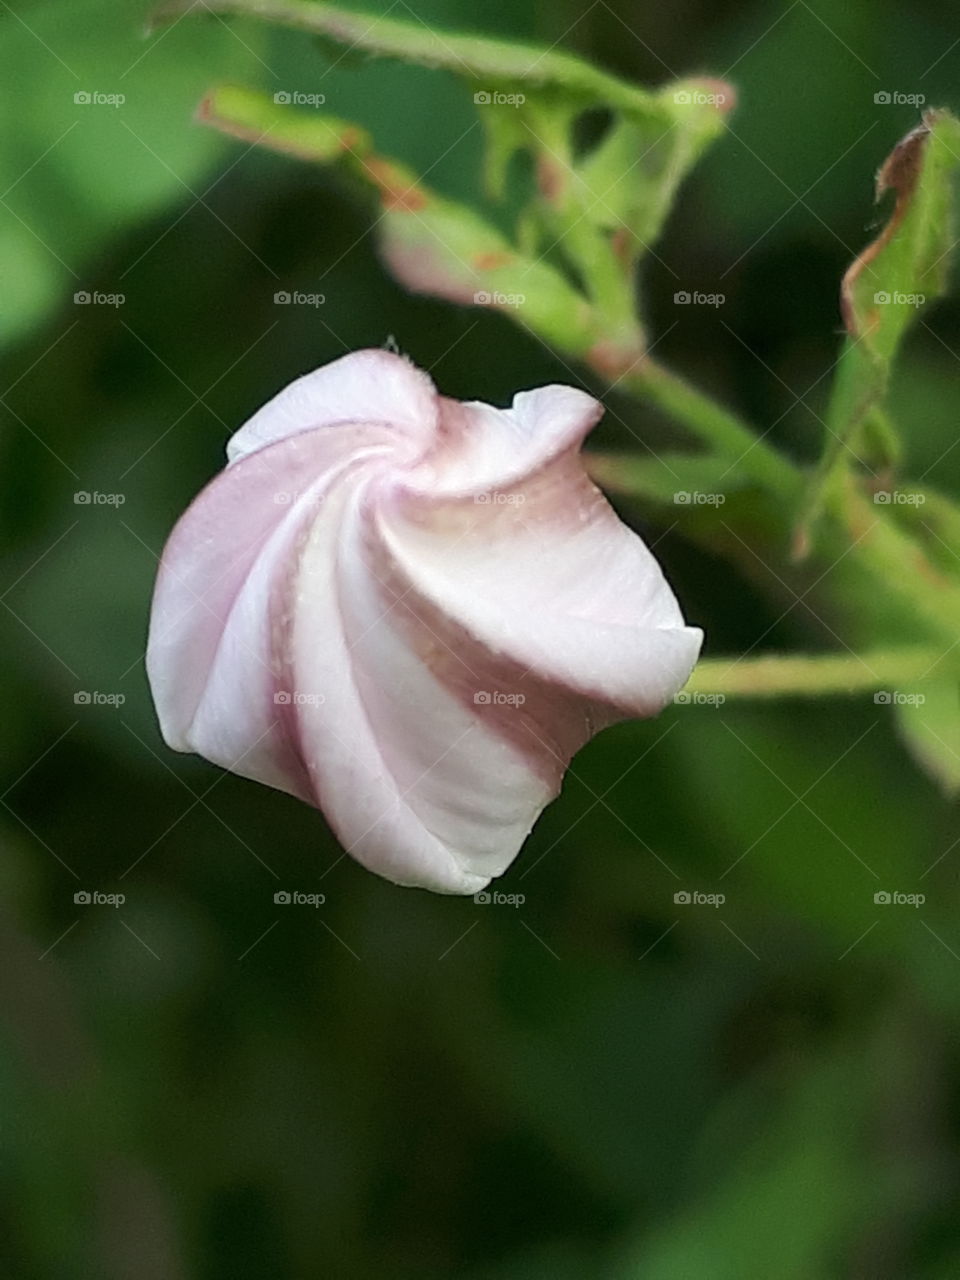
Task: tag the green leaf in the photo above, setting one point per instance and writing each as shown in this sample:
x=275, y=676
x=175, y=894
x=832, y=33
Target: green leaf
x=882, y=294
x=444, y=249
x=567, y=272
x=908, y=264
x=633, y=175
x=505, y=133
x=432, y=245
x=598, y=212
x=606, y=207
x=255, y=117
x=929, y=721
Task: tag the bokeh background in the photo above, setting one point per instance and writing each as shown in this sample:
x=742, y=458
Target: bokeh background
x=600, y=1082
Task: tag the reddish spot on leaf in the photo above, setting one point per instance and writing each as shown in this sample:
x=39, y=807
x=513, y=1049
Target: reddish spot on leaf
x=622, y=242
x=551, y=178
x=491, y=261
x=723, y=93
x=397, y=193
x=351, y=138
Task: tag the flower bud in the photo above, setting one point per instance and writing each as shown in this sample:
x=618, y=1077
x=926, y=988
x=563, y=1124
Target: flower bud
x=410, y=612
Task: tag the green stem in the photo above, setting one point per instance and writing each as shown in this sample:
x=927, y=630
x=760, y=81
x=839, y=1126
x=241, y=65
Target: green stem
x=567, y=212
x=812, y=675
x=716, y=426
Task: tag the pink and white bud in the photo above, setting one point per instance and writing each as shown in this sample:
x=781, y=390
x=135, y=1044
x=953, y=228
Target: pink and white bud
x=410, y=612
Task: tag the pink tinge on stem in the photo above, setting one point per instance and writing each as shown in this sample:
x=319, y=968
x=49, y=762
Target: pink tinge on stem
x=410, y=612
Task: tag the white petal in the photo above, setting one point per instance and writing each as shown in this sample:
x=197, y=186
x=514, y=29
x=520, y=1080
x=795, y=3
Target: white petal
x=369, y=386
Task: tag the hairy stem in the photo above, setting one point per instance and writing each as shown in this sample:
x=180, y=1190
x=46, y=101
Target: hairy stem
x=812, y=675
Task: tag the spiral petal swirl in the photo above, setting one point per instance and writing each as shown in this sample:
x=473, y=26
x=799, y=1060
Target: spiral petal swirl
x=410, y=612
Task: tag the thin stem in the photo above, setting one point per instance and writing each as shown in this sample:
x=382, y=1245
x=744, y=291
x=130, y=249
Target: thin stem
x=813, y=675
x=716, y=426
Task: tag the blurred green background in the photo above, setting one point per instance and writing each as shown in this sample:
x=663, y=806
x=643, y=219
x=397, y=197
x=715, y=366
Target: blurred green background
x=601, y=1082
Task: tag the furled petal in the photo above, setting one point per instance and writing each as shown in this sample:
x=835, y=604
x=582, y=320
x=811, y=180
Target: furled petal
x=481, y=449
x=537, y=563
x=366, y=386
x=416, y=785
x=213, y=656
x=418, y=635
